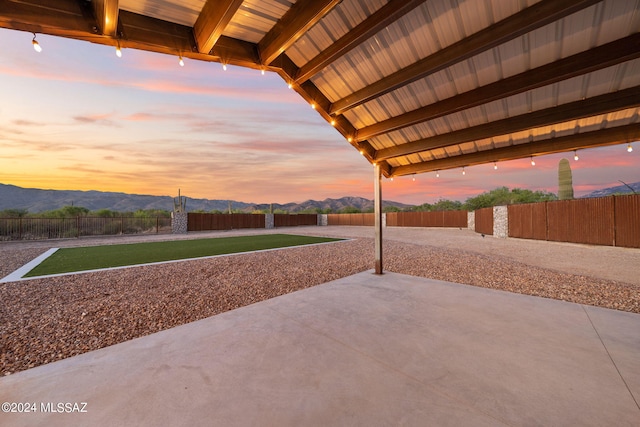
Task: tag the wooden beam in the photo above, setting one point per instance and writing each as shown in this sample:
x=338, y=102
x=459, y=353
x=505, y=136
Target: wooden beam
x=603, y=104
x=213, y=19
x=598, y=138
x=66, y=18
x=303, y=15
x=383, y=17
x=595, y=59
x=106, y=12
x=377, y=208
x=529, y=19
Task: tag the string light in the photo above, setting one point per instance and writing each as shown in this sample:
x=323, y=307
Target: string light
x=437, y=174
x=290, y=85
x=36, y=45
x=181, y=61
x=629, y=148
x=262, y=71
x=575, y=155
x=333, y=122
x=349, y=139
x=495, y=166
x=414, y=178
x=224, y=66
x=533, y=162
x=463, y=171
x=118, y=50
x=313, y=105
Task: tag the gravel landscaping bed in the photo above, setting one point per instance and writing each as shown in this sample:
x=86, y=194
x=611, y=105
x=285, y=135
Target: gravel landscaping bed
x=44, y=320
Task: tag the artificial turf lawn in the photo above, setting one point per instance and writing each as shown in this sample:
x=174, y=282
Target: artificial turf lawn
x=95, y=257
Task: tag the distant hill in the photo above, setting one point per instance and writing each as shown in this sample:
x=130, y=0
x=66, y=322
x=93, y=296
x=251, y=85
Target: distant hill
x=618, y=189
x=36, y=200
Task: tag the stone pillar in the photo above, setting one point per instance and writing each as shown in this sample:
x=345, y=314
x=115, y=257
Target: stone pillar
x=500, y=222
x=471, y=220
x=179, y=222
x=323, y=220
x=269, y=221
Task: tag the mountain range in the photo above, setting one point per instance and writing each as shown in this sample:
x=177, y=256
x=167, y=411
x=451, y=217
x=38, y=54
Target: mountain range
x=36, y=200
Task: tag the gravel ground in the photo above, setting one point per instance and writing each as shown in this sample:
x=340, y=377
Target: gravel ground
x=44, y=320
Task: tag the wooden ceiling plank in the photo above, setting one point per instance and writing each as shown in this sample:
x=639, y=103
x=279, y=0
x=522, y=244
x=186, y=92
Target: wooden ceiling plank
x=595, y=59
x=303, y=15
x=603, y=104
x=527, y=20
x=213, y=19
x=598, y=138
x=382, y=18
x=106, y=12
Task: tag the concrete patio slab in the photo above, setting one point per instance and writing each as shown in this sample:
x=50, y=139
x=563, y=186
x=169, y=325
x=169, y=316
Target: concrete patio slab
x=363, y=350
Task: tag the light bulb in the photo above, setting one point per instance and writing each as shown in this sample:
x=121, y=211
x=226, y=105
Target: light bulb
x=181, y=62
x=437, y=174
x=629, y=148
x=262, y=71
x=36, y=45
x=224, y=67
x=495, y=166
x=414, y=179
x=575, y=156
x=533, y=162
x=290, y=85
x=313, y=105
x=349, y=139
x=463, y=171
x=333, y=122
x=118, y=51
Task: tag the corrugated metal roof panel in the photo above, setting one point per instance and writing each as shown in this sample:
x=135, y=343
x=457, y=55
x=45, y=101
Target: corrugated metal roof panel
x=337, y=23
x=255, y=18
x=181, y=12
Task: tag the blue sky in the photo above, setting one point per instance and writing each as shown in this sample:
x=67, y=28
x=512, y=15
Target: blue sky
x=77, y=117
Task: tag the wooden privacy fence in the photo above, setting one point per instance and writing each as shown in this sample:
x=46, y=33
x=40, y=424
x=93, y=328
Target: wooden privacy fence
x=59, y=228
x=294, y=220
x=404, y=219
x=484, y=221
x=208, y=221
x=611, y=221
x=427, y=219
x=351, y=219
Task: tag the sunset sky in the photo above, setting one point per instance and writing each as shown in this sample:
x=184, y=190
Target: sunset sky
x=76, y=117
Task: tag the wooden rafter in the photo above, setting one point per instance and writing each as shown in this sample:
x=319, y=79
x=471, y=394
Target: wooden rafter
x=595, y=59
x=603, y=104
x=599, y=138
x=213, y=19
x=303, y=15
x=363, y=31
x=529, y=19
x=106, y=12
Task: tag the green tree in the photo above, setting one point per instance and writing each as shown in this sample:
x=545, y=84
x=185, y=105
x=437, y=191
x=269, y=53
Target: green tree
x=503, y=196
x=350, y=209
x=13, y=213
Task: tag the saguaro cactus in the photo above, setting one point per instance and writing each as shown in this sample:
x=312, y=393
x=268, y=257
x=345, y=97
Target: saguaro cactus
x=565, y=180
x=179, y=203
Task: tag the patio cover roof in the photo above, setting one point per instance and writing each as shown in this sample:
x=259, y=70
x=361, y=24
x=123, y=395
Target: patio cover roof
x=414, y=85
